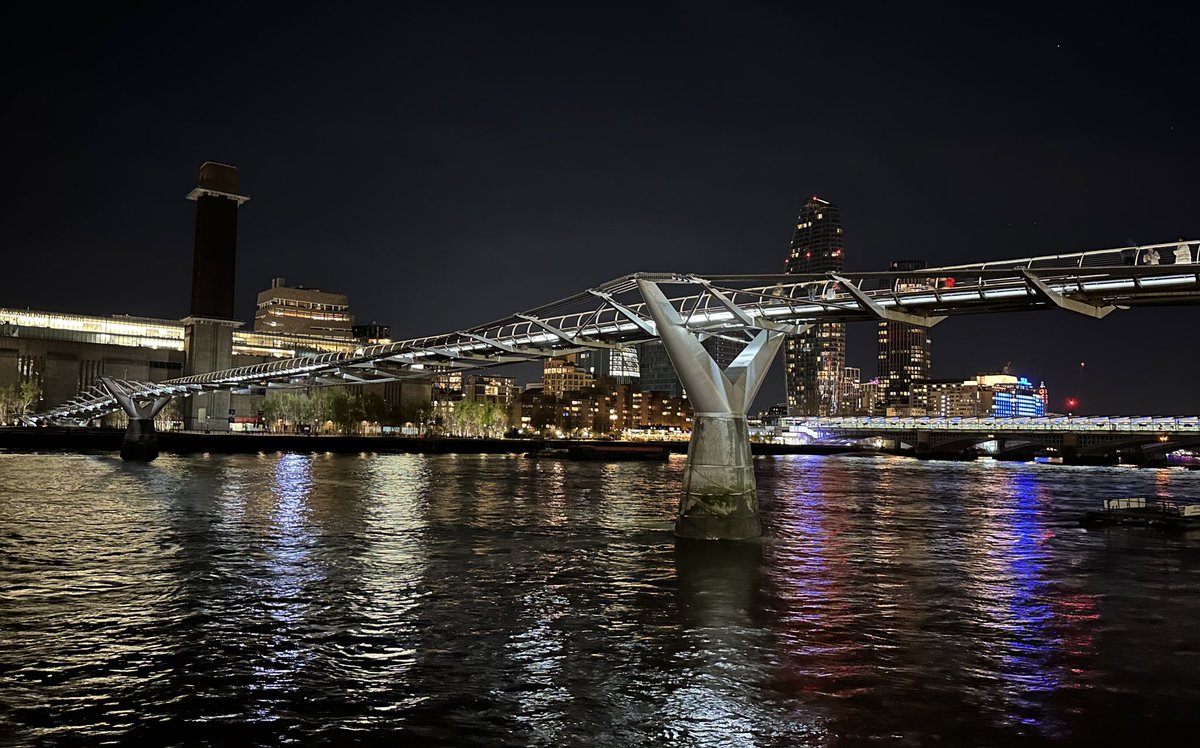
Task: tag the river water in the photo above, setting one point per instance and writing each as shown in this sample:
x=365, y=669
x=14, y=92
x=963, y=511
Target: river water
x=485, y=600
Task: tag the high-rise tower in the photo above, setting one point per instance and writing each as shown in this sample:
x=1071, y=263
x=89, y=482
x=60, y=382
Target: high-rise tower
x=816, y=358
x=904, y=349
x=208, y=330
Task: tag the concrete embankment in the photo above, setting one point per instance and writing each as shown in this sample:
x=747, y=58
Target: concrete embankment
x=176, y=442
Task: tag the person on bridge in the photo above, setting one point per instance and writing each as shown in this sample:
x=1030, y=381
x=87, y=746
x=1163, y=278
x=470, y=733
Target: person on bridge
x=1183, y=253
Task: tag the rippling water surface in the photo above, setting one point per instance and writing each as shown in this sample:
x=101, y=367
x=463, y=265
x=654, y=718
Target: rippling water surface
x=503, y=601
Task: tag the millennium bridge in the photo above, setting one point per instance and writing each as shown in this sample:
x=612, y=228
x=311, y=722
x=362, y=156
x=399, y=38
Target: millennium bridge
x=719, y=499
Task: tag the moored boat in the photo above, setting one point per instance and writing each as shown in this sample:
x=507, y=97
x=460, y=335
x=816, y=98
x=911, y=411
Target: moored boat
x=618, y=451
x=1172, y=514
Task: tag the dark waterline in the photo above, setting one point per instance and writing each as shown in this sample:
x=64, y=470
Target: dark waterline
x=502, y=601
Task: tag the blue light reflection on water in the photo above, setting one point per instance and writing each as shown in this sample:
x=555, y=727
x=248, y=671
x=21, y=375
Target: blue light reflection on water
x=1027, y=662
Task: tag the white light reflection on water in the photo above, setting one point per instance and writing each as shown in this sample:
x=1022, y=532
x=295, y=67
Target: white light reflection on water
x=284, y=583
x=537, y=650
x=291, y=536
x=394, y=574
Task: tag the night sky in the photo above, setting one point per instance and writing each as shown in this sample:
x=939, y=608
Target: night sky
x=446, y=164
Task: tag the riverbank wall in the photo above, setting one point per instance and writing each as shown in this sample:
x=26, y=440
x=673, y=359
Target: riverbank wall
x=94, y=440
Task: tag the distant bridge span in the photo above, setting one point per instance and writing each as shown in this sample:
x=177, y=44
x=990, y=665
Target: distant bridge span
x=1076, y=436
x=719, y=494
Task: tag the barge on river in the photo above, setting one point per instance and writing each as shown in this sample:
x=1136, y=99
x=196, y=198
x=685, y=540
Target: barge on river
x=1169, y=514
x=618, y=451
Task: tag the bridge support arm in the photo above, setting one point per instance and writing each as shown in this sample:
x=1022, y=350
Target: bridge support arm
x=881, y=312
x=1042, y=289
x=720, y=500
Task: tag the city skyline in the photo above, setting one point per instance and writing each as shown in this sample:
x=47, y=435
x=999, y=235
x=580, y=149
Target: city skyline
x=489, y=174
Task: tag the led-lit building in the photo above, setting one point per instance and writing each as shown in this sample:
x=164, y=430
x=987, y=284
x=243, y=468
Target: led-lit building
x=1017, y=399
x=303, y=311
x=448, y=385
x=1000, y=395
x=814, y=360
x=904, y=349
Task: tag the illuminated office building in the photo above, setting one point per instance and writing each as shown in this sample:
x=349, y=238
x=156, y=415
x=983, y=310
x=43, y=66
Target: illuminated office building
x=448, y=385
x=999, y=395
x=303, y=311
x=619, y=365
x=904, y=349
x=814, y=360
x=1018, y=399
x=858, y=398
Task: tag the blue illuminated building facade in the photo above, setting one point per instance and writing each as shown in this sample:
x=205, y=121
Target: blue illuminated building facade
x=993, y=394
x=1018, y=399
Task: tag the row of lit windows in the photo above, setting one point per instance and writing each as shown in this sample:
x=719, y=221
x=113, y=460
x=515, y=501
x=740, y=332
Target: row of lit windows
x=128, y=327
x=303, y=305
x=324, y=317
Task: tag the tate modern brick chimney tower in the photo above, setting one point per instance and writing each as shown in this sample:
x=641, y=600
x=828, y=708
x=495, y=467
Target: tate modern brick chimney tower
x=215, y=257
x=208, y=332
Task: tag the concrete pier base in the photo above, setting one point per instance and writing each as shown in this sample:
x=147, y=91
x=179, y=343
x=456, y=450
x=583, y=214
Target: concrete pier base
x=719, y=497
x=141, y=441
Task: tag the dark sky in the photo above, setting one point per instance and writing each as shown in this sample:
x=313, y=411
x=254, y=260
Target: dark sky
x=446, y=164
